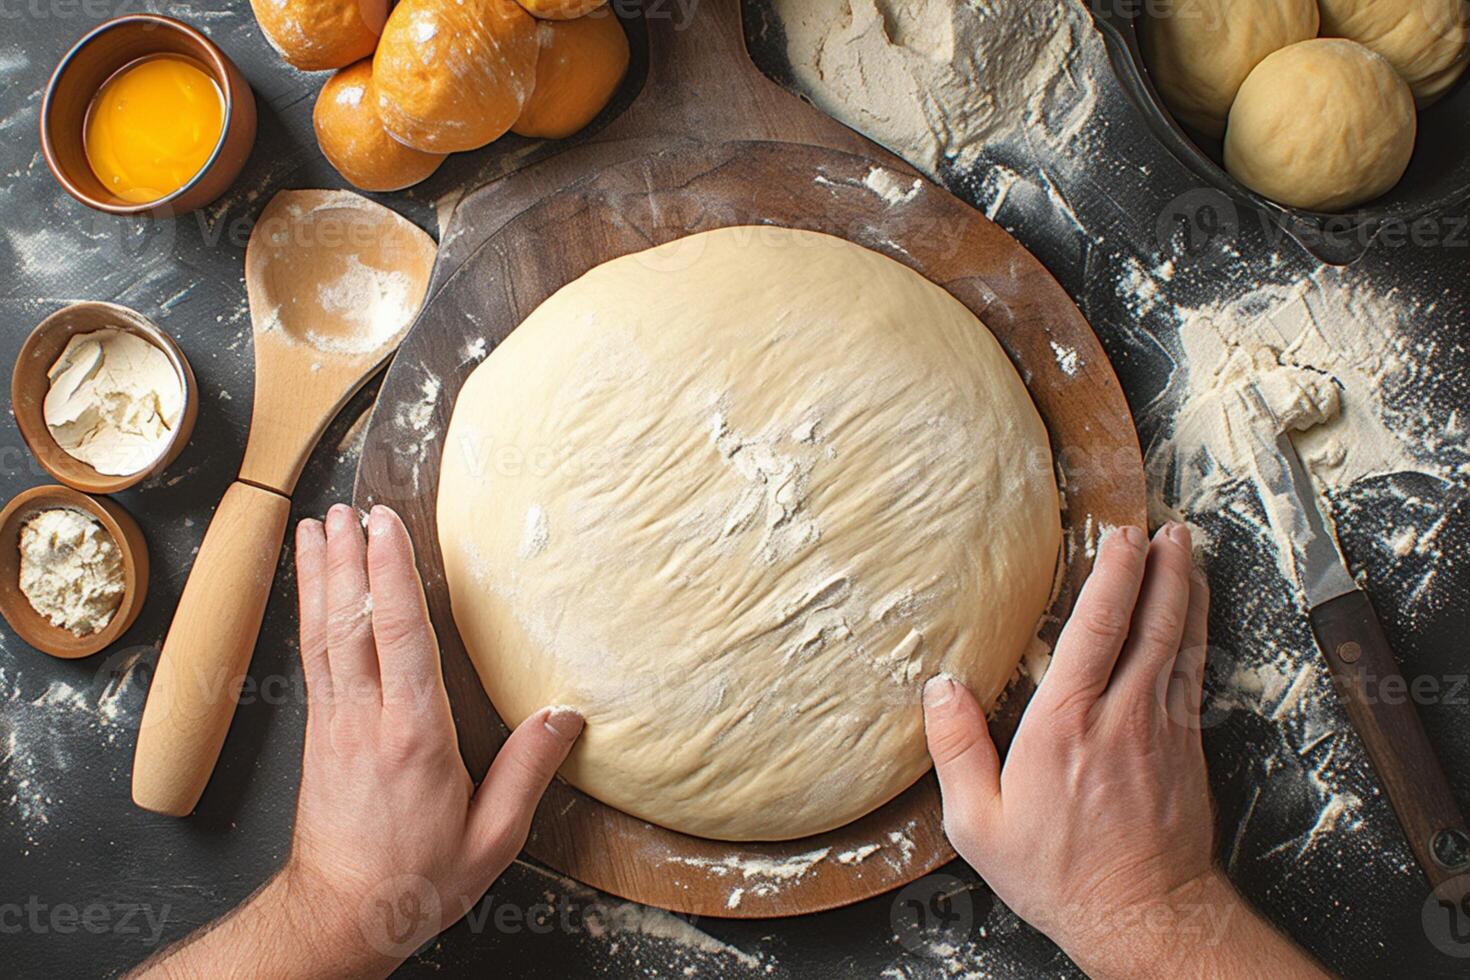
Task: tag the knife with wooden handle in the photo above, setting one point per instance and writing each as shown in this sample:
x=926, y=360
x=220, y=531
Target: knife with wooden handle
x=1373, y=692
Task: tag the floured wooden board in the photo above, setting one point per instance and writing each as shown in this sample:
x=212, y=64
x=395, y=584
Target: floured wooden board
x=762, y=157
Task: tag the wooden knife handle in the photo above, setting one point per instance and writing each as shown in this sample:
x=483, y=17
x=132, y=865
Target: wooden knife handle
x=1382, y=710
x=207, y=650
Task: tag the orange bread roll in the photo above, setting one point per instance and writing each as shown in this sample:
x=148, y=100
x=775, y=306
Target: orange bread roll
x=581, y=63
x=319, y=35
x=561, y=9
x=454, y=74
x=354, y=141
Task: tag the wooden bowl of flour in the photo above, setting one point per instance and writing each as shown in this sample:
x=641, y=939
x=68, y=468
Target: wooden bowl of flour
x=36, y=629
x=29, y=383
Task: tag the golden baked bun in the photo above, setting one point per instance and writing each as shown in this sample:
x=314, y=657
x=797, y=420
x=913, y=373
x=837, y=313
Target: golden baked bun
x=354, y=141
x=581, y=63
x=454, y=74
x=320, y=35
x=560, y=9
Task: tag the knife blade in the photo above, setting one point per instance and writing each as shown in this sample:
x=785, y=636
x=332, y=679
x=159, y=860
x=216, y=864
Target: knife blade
x=1364, y=671
x=1291, y=507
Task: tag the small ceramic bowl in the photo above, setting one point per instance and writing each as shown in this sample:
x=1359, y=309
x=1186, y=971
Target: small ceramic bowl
x=99, y=55
x=36, y=629
x=29, y=383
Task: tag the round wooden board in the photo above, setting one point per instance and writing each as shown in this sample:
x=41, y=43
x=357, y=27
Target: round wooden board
x=645, y=201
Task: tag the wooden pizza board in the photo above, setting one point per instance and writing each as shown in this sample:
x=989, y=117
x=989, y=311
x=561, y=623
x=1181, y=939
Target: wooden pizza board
x=709, y=142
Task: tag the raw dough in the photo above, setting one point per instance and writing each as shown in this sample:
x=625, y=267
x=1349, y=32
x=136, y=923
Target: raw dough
x=1199, y=51
x=736, y=498
x=1423, y=39
x=1324, y=125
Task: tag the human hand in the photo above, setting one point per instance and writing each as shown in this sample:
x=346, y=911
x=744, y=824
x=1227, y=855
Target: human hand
x=1099, y=828
x=392, y=842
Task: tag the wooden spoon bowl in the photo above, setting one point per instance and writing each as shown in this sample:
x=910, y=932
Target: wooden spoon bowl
x=36, y=629
x=29, y=383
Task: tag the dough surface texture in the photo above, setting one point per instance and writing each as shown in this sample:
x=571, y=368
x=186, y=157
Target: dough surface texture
x=1199, y=52
x=1324, y=125
x=736, y=498
x=1425, y=40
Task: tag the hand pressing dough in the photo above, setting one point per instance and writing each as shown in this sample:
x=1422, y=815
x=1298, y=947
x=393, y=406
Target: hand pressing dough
x=1425, y=40
x=736, y=498
x=1198, y=52
x=1323, y=125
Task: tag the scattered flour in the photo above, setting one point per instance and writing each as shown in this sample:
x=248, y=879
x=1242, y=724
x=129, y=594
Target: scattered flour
x=38, y=736
x=935, y=82
x=417, y=417
x=1067, y=359
x=890, y=186
x=618, y=925
x=536, y=534
x=1333, y=359
x=380, y=303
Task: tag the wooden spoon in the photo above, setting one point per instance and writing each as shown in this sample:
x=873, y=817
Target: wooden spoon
x=334, y=281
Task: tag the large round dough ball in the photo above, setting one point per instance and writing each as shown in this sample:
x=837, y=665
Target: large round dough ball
x=1199, y=51
x=353, y=139
x=1322, y=125
x=320, y=35
x=736, y=498
x=454, y=74
x=582, y=61
x=1424, y=39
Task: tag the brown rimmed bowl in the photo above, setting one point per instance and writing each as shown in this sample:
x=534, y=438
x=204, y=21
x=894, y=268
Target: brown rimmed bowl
x=29, y=383
x=36, y=629
x=102, y=53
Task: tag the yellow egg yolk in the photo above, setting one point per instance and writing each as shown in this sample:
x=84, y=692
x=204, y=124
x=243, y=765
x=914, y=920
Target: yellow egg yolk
x=152, y=127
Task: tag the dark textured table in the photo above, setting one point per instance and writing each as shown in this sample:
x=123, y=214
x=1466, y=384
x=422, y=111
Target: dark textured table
x=89, y=885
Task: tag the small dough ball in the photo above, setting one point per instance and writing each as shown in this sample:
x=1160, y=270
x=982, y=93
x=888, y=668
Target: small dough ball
x=1199, y=51
x=1323, y=125
x=354, y=141
x=560, y=9
x=1424, y=39
x=320, y=35
x=581, y=63
x=454, y=74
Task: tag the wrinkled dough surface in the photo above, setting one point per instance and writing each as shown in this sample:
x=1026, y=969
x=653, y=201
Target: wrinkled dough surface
x=1425, y=40
x=736, y=498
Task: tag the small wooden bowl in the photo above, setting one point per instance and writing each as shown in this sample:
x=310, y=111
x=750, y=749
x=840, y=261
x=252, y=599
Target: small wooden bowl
x=29, y=384
x=36, y=629
x=99, y=55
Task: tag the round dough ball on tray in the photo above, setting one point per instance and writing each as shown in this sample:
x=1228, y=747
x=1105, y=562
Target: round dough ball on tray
x=736, y=498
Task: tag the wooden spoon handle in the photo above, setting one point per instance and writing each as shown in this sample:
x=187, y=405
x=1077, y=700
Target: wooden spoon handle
x=207, y=650
x=1381, y=707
